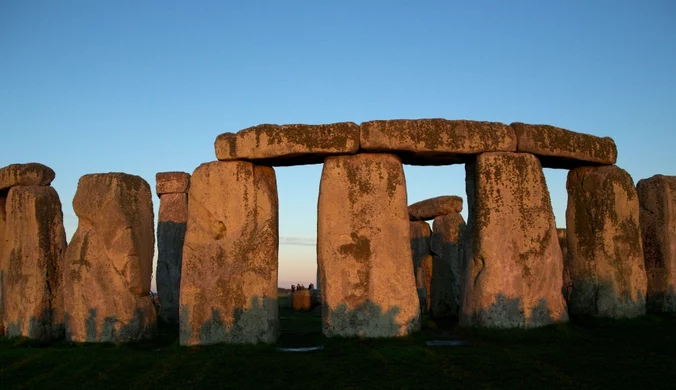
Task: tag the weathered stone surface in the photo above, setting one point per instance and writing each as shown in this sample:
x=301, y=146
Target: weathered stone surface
x=170, y=236
x=288, y=144
x=447, y=268
x=420, y=248
x=567, y=285
x=363, y=248
x=561, y=148
x=424, y=281
x=109, y=261
x=604, y=244
x=31, y=174
x=514, y=262
x=229, y=273
x=434, y=207
x=3, y=220
x=657, y=200
x=171, y=182
x=31, y=263
x=436, y=141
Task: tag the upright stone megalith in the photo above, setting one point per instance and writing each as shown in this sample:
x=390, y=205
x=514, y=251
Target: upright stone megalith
x=447, y=268
x=229, y=273
x=514, y=265
x=363, y=248
x=604, y=244
x=109, y=261
x=31, y=262
x=172, y=188
x=657, y=200
x=421, y=234
x=567, y=284
x=3, y=222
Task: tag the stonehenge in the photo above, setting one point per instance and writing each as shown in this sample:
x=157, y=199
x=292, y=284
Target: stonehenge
x=172, y=188
x=607, y=268
x=363, y=248
x=514, y=261
x=229, y=273
x=32, y=246
x=380, y=264
x=108, y=262
x=657, y=215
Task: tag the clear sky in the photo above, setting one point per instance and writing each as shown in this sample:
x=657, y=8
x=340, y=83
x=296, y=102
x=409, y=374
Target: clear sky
x=146, y=86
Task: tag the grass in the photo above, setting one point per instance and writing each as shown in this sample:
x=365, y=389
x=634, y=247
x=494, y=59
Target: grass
x=639, y=353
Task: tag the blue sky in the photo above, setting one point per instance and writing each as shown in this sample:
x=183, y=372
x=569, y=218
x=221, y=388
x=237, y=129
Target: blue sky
x=146, y=86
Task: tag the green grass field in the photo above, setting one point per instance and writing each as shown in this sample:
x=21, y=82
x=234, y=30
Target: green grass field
x=638, y=353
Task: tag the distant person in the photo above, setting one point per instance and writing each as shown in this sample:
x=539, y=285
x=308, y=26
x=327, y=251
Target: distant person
x=298, y=287
x=293, y=288
x=311, y=286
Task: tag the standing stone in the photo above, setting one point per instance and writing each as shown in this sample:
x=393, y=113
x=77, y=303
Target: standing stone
x=3, y=220
x=31, y=263
x=514, y=262
x=447, y=241
x=229, y=273
x=109, y=261
x=567, y=285
x=604, y=244
x=363, y=248
x=657, y=198
x=422, y=257
x=317, y=284
x=172, y=188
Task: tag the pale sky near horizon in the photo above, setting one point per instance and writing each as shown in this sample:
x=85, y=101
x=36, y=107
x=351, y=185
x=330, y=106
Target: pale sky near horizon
x=145, y=87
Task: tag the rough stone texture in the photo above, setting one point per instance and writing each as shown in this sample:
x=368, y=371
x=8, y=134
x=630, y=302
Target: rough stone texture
x=363, y=248
x=420, y=249
x=561, y=148
x=229, y=274
x=567, y=284
x=436, y=141
x=171, y=182
x=31, y=263
x=424, y=280
x=514, y=262
x=604, y=244
x=31, y=174
x=109, y=261
x=657, y=200
x=447, y=267
x=170, y=236
x=434, y=207
x=288, y=144
x=3, y=220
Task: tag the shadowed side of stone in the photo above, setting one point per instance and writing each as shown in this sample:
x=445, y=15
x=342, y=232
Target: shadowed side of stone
x=281, y=145
x=434, y=207
x=31, y=263
x=422, y=256
x=109, y=261
x=561, y=148
x=364, y=250
x=229, y=273
x=514, y=262
x=447, y=252
x=604, y=244
x=657, y=200
x=567, y=284
x=436, y=141
x=31, y=174
x=3, y=222
x=170, y=237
